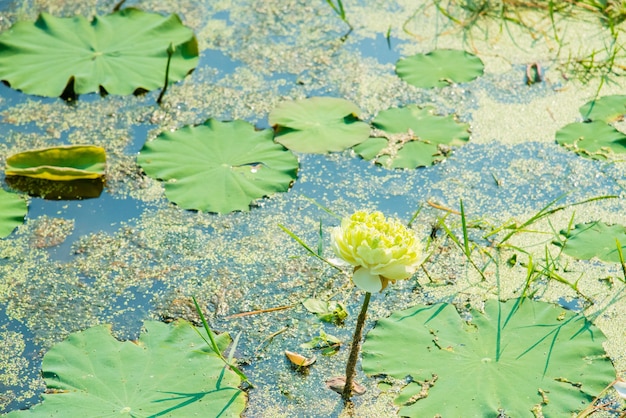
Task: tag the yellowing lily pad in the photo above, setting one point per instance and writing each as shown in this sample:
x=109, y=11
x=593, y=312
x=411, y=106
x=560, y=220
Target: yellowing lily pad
x=511, y=358
x=439, y=68
x=411, y=137
x=596, y=140
x=120, y=53
x=169, y=371
x=63, y=163
x=218, y=166
x=318, y=125
x=13, y=208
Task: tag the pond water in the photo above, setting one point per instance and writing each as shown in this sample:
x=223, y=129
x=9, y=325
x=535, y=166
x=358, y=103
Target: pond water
x=130, y=255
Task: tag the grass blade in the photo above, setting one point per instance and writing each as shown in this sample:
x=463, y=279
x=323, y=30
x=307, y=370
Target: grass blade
x=233, y=347
x=320, y=240
x=621, y=258
x=464, y=226
x=306, y=247
x=342, y=11
x=461, y=247
x=215, y=348
x=212, y=344
x=415, y=214
x=322, y=207
x=542, y=213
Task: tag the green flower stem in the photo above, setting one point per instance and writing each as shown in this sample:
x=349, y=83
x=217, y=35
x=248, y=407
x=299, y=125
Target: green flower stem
x=354, y=350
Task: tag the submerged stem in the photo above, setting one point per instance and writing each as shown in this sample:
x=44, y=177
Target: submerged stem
x=354, y=350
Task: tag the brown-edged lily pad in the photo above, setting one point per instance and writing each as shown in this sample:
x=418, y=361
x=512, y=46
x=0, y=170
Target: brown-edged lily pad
x=595, y=140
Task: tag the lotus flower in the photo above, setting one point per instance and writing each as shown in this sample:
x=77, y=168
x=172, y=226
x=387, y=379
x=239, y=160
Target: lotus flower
x=381, y=250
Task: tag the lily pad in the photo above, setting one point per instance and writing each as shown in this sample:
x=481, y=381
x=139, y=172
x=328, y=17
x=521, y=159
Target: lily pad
x=64, y=163
x=13, y=209
x=515, y=356
x=218, y=166
x=318, y=125
x=411, y=137
x=120, y=53
x=439, y=68
x=594, y=239
x=607, y=109
x=169, y=371
x=596, y=140
x=327, y=311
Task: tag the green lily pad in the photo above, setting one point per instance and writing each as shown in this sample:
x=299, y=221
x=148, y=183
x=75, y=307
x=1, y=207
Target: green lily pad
x=328, y=344
x=439, y=68
x=169, y=371
x=516, y=355
x=120, y=53
x=607, y=109
x=411, y=137
x=594, y=239
x=13, y=209
x=218, y=166
x=64, y=163
x=596, y=140
x=318, y=125
x=327, y=311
